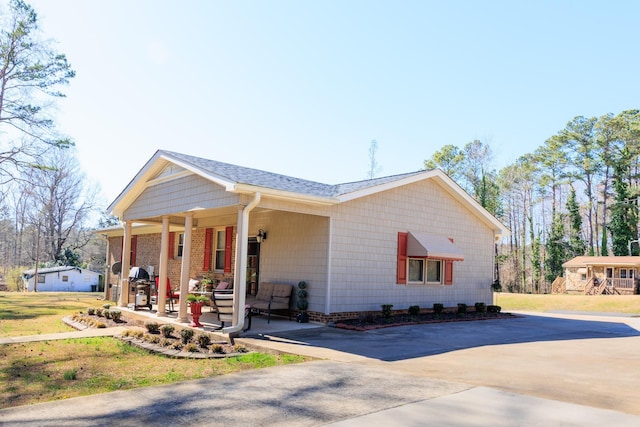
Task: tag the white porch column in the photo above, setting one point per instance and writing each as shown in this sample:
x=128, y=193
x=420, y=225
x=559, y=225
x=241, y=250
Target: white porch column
x=163, y=267
x=186, y=267
x=123, y=299
x=240, y=279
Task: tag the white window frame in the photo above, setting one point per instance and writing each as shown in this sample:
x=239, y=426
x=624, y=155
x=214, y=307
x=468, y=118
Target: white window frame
x=424, y=279
x=219, y=248
x=180, y=245
x=409, y=262
x=440, y=280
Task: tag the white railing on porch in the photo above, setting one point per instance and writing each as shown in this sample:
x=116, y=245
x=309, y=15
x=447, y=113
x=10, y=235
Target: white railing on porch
x=620, y=283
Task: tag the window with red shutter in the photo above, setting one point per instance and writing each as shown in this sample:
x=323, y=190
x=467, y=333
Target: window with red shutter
x=401, y=269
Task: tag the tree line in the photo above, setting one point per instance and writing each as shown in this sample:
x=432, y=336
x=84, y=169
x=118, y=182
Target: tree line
x=576, y=194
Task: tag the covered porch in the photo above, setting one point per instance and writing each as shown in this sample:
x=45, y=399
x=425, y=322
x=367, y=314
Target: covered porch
x=614, y=275
x=260, y=327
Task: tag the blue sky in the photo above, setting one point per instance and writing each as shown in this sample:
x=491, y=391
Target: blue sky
x=302, y=87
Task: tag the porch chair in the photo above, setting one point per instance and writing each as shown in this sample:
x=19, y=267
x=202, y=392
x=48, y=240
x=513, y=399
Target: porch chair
x=171, y=295
x=223, y=300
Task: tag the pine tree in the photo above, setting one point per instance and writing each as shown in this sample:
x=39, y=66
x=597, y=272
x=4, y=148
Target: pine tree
x=577, y=245
x=556, y=249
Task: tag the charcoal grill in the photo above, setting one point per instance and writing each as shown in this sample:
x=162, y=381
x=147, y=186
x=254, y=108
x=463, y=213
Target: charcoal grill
x=141, y=285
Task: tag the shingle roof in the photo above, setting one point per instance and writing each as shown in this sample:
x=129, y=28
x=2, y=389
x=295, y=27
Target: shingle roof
x=260, y=178
x=583, y=261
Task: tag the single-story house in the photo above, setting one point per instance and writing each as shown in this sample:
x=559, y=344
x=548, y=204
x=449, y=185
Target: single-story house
x=410, y=239
x=62, y=279
x=602, y=274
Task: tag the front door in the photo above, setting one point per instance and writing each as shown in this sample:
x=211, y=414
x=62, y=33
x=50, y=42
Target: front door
x=253, y=266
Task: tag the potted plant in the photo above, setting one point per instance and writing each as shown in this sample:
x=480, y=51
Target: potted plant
x=302, y=303
x=196, y=302
x=207, y=284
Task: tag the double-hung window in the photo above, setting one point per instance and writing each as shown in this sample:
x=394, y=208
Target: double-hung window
x=219, y=249
x=180, y=244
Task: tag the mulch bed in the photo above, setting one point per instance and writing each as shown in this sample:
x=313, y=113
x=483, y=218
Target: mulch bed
x=367, y=323
x=171, y=346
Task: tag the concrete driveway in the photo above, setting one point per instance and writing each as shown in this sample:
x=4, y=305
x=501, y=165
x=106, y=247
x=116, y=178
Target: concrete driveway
x=532, y=370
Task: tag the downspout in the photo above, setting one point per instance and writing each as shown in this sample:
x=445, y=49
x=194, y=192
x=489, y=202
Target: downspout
x=241, y=256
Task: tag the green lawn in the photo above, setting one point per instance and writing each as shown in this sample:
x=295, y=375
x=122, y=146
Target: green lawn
x=51, y=370
x=626, y=304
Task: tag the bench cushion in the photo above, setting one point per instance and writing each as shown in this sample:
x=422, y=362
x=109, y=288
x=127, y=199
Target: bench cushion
x=278, y=294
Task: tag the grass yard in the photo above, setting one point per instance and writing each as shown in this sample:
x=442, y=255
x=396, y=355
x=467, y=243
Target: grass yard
x=51, y=370
x=38, y=313
x=625, y=304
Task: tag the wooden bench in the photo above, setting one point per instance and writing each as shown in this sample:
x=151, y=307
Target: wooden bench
x=271, y=297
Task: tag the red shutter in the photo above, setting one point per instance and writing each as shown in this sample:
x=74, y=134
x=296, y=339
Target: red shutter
x=134, y=249
x=208, y=240
x=401, y=272
x=228, y=245
x=172, y=245
x=448, y=272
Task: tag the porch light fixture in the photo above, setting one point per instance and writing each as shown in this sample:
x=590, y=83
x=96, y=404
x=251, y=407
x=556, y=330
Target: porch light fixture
x=262, y=236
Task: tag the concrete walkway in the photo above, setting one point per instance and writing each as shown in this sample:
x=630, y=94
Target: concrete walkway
x=86, y=333
x=535, y=370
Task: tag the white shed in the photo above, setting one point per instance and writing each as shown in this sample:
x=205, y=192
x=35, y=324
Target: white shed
x=62, y=279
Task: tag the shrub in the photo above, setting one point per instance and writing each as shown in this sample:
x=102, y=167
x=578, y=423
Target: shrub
x=152, y=327
x=218, y=349
x=91, y=311
x=107, y=306
x=137, y=334
x=203, y=340
x=100, y=325
x=153, y=339
x=186, y=335
x=494, y=309
x=302, y=303
x=438, y=307
x=167, y=330
x=414, y=310
x=70, y=375
x=165, y=342
x=99, y=311
x=240, y=349
x=191, y=348
x=177, y=345
x=481, y=307
x=107, y=314
x=386, y=310
x=462, y=308
x=116, y=315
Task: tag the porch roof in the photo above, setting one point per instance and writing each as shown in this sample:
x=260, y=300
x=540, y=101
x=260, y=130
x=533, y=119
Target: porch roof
x=614, y=261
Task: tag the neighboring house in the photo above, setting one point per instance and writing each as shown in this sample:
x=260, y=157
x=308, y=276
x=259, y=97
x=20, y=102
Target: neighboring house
x=409, y=239
x=594, y=275
x=62, y=279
